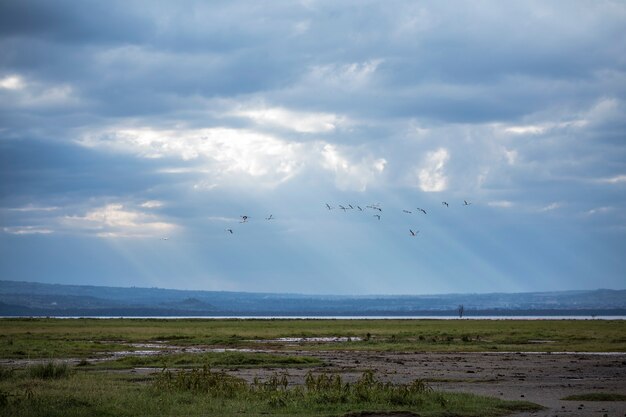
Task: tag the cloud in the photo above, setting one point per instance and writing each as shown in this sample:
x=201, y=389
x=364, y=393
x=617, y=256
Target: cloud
x=220, y=152
x=599, y=210
x=524, y=130
x=550, y=207
x=12, y=82
x=431, y=175
x=27, y=230
x=302, y=122
x=500, y=204
x=618, y=179
x=31, y=207
x=17, y=92
x=343, y=76
x=350, y=174
x=183, y=111
x=151, y=204
x=114, y=220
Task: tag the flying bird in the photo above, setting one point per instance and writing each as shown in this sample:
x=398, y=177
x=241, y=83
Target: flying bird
x=244, y=219
x=328, y=206
x=377, y=216
x=359, y=207
x=422, y=210
x=350, y=205
x=342, y=207
x=445, y=204
x=407, y=211
x=465, y=203
x=413, y=233
x=230, y=231
x=271, y=217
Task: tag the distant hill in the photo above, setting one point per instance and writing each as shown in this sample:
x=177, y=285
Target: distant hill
x=36, y=299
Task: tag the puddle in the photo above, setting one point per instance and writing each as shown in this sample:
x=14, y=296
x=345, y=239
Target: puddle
x=153, y=345
x=552, y=353
x=169, y=349
x=124, y=353
x=334, y=339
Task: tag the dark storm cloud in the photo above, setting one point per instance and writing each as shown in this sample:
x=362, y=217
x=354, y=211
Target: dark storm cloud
x=131, y=57
x=52, y=172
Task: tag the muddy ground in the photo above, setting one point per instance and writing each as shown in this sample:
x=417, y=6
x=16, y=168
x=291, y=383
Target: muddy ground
x=537, y=377
x=540, y=378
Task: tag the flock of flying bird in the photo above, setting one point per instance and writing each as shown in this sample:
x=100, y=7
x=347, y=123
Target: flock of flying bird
x=375, y=207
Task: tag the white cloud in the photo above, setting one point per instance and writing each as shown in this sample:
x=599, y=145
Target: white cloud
x=605, y=109
x=31, y=207
x=225, y=156
x=27, y=230
x=431, y=175
x=36, y=94
x=500, y=204
x=151, y=204
x=12, y=82
x=543, y=128
x=618, y=179
x=355, y=74
x=223, y=152
x=302, y=122
x=350, y=174
x=114, y=220
x=511, y=156
x=599, y=210
x=525, y=130
x=550, y=207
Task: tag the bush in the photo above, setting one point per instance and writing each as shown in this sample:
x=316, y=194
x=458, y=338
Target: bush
x=50, y=370
x=216, y=384
x=320, y=388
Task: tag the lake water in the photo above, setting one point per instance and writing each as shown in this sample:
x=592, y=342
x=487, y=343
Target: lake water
x=348, y=317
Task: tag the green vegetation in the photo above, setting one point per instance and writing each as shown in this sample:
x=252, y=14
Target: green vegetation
x=212, y=359
x=190, y=387
x=50, y=370
x=596, y=396
x=201, y=391
x=83, y=338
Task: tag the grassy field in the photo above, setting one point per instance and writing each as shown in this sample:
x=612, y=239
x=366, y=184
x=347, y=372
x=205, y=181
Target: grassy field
x=82, y=338
x=200, y=392
x=212, y=359
x=188, y=387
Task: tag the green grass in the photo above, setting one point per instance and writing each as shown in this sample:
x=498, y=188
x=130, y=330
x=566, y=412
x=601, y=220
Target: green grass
x=83, y=338
x=50, y=370
x=596, y=396
x=212, y=359
x=201, y=392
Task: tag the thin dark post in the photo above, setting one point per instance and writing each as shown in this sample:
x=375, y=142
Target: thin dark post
x=461, y=310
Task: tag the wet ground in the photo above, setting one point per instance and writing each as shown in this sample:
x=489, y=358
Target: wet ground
x=540, y=378
x=536, y=377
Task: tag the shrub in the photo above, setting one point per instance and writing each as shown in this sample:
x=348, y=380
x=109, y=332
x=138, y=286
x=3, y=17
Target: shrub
x=50, y=370
x=216, y=384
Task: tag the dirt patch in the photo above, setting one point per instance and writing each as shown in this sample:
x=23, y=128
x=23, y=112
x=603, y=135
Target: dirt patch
x=540, y=378
x=382, y=414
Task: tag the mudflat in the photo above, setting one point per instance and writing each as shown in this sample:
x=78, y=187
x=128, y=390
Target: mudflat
x=397, y=352
x=542, y=378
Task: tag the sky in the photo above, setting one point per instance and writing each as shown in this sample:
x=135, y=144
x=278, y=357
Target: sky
x=135, y=134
